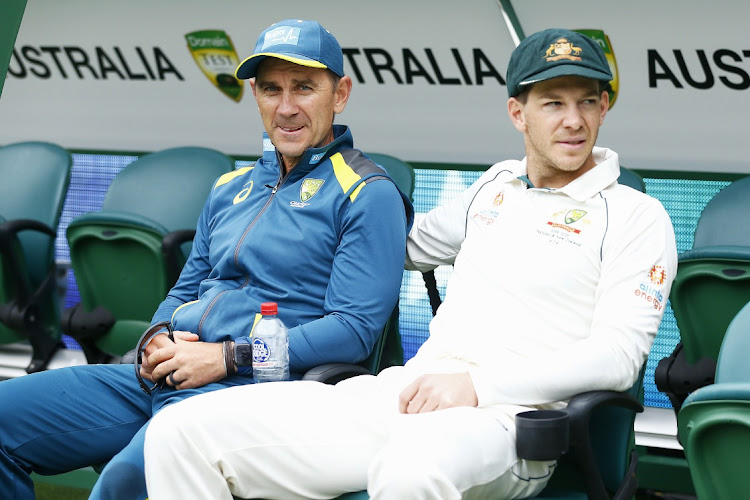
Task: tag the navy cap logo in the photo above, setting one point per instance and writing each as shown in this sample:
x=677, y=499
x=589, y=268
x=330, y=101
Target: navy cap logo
x=562, y=49
x=288, y=35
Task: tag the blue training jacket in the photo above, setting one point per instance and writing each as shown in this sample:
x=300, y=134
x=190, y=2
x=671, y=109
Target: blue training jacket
x=327, y=242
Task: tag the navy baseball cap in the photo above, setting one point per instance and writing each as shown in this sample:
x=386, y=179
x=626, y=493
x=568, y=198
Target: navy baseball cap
x=555, y=52
x=306, y=43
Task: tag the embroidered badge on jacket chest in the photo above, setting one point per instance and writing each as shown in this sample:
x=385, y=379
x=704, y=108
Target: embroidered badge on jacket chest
x=565, y=225
x=490, y=214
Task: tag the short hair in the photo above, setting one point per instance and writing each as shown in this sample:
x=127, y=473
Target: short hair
x=335, y=79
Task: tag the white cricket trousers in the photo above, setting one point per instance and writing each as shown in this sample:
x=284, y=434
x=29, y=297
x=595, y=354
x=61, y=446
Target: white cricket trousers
x=308, y=440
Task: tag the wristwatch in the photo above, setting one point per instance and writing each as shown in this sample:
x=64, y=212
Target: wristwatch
x=242, y=352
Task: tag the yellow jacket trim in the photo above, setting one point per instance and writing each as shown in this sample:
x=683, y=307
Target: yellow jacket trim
x=346, y=176
x=231, y=175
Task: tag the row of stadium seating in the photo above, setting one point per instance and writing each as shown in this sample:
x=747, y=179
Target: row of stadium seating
x=126, y=256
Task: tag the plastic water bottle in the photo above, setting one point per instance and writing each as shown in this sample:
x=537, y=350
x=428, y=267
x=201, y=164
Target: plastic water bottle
x=270, y=346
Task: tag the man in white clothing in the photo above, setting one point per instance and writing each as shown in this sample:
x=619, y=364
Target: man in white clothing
x=560, y=280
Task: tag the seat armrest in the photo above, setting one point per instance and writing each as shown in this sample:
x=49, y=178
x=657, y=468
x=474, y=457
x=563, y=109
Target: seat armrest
x=677, y=378
x=170, y=249
x=14, y=226
x=580, y=409
x=582, y=405
x=24, y=310
x=9, y=230
x=330, y=373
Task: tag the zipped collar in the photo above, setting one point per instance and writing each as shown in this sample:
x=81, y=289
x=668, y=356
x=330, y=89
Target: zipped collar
x=312, y=156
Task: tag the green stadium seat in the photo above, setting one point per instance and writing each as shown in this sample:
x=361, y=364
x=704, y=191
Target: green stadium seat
x=711, y=286
x=631, y=178
x=127, y=256
x=714, y=422
x=35, y=180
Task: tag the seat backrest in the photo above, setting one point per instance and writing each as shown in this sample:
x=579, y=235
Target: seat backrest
x=724, y=220
x=714, y=422
x=388, y=351
x=35, y=180
x=164, y=185
x=715, y=274
x=630, y=178
x=733, y=365
x=401, y=172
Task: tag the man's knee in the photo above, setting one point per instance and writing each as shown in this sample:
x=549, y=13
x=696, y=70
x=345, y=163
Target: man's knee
x=121, y=479
x=163, y=433
x=404, y=475
x=14, y=479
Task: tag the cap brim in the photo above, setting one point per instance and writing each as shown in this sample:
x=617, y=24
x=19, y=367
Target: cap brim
x=249, y=67
x=566, y=70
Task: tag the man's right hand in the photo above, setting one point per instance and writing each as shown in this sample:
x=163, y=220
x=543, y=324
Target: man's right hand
x=433, y=392
x=158, y=342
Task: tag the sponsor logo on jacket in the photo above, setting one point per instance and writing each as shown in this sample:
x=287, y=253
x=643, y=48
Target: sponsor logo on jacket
x=650, y=291
x=488, y=216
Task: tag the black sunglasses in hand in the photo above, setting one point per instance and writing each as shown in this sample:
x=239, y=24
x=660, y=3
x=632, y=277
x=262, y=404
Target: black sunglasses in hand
x=147, y=336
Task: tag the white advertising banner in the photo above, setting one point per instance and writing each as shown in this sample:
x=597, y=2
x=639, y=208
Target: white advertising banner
x=429, y=77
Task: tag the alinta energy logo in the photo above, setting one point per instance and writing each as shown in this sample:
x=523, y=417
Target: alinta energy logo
x=214, y=54
x=657, y=275
x=603, y=41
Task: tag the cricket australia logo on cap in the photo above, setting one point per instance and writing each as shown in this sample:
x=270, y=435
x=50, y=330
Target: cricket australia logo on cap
x=288, y=35
x=562, y=49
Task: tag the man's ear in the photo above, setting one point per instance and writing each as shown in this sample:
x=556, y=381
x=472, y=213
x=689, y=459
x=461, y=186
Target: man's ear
x=604, y=102
x=515, y=112
x=342, y=93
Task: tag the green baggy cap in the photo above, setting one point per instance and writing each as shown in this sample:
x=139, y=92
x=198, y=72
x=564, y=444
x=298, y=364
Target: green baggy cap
x=552, y=53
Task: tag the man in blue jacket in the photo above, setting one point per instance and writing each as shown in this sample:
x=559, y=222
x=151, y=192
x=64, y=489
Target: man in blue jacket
x=313, y=225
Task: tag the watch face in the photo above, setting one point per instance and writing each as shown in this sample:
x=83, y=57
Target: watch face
x=243, y=354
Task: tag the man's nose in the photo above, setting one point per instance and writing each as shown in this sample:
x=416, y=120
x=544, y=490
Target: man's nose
x=288, y=105
x=573, y=118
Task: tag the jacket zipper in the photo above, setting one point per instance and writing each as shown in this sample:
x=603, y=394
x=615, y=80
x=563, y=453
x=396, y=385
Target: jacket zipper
x=279, y=183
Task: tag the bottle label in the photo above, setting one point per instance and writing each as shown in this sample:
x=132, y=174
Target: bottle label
x=261, y=354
